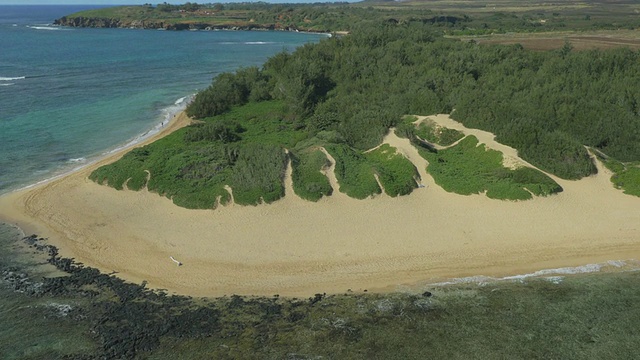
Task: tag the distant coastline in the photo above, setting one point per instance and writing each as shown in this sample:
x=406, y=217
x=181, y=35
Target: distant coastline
x=97, y=22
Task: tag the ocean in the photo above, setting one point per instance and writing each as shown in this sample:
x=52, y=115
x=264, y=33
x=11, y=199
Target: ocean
x=69, y=95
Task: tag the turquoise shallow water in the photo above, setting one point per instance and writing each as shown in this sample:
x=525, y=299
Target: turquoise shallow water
x=70, y=95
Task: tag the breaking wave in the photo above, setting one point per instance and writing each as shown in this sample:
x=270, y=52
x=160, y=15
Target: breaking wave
x=553, y=275
x=45, y=28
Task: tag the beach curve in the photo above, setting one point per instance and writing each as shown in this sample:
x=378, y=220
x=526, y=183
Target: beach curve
x=297, y=248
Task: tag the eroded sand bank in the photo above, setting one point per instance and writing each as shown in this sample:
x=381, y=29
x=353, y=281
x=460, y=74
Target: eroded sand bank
x=298, y=248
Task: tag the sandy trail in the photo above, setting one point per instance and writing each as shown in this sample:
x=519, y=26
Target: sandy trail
x=298, y=248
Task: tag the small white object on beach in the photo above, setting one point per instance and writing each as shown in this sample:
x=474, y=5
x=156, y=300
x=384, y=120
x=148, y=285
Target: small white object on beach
x=175, y=261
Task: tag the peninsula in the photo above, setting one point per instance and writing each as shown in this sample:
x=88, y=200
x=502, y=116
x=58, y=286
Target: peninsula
x=423, y=187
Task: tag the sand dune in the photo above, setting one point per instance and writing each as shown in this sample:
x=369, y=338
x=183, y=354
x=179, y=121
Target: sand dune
x=294, y=247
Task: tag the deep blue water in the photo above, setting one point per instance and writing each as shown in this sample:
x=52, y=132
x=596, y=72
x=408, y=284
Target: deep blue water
x=70, y=95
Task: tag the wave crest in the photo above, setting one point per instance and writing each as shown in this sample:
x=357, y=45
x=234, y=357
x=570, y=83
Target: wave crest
x=77, y=160
x=552, y=275
x=44, y=27
x=12, y=78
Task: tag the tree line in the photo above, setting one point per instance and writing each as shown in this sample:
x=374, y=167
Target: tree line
x=548, y=105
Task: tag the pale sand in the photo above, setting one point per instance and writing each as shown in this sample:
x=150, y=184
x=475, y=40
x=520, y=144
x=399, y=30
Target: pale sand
x=298, y=248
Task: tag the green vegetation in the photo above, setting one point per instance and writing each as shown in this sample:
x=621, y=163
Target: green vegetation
x=469, y=168
x=460, y=18
x=427, y=130
x=354, y=172
x=346, y=92
x=538, y=319
x=258, y=174
x=396, y=173
x=626, y=176
x=308, y=182
x=628, y=180
x=242, y=149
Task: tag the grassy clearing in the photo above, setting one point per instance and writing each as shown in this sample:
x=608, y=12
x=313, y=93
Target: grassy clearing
x=354, y=172
x=308, y=182
x=396, y=173
x=467, y=168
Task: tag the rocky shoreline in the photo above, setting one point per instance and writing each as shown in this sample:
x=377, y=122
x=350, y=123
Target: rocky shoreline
x=127, y=320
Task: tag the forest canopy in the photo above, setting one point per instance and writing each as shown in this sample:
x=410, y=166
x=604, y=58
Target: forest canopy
x=548, y=105
x=345, y=93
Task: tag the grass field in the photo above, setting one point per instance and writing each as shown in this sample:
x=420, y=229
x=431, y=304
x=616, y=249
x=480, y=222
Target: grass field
x=556, y=40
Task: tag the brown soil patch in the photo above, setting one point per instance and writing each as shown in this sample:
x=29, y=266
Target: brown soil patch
x=552, y=41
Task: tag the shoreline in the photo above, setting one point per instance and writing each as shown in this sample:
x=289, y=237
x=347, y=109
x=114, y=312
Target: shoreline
x=173, y=122
x=168, y=114
x=297, y=248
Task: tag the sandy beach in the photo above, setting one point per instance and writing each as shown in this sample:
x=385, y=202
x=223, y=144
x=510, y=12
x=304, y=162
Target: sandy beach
x=297, y=248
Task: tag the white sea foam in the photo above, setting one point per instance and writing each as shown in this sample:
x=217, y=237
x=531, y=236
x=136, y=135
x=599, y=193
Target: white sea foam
x=167, y=114
x=45, y=28
x=79, y=160
x=12, y=78
x=258, y=42
x=180, y=101
x=550, y=274
x=9, y=84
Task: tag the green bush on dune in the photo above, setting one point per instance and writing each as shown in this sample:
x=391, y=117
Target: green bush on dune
x=429, y=131
x=396, y=173
x=258, y=174
x=353, y=172
x=628, y=180
x=192, y=166
x=308, y=182
x=468, y=168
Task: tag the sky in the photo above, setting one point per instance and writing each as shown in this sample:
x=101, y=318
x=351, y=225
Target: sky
x=133, y=2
